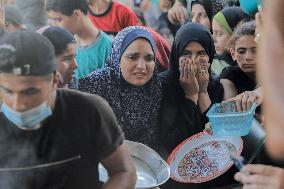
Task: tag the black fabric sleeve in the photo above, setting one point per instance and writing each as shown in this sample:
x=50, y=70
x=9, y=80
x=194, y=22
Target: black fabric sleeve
x=193, y=116
x=178, y=123
x=189, y=106
x=227, y=73
x=180, y=117
x=204, y=118
x=234, y=74
x=239, y=78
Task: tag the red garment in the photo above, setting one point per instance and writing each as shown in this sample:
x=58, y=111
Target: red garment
x=163, y=50
x=114, y=19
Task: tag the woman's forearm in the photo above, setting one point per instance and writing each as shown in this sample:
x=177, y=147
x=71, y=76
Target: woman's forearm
x=204, y=101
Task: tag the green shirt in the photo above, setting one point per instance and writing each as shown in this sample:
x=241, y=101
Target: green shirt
x=94, y=56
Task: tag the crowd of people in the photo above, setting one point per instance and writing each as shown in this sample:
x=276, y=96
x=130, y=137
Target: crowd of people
x=78, y=77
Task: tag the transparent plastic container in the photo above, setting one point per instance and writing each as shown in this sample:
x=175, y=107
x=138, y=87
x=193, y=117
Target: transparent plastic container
x=225, y=120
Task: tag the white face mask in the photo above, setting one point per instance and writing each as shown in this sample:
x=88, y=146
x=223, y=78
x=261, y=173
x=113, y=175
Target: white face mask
x=28, y=119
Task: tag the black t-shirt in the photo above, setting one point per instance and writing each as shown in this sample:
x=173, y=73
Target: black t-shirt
x=240, y=79
x=81, y=131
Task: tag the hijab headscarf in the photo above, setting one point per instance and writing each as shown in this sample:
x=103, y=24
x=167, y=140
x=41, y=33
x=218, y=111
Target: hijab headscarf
x=123, y=40
x=188, y=33
x=211, y=6
x=180, y=117
x=207, y=5
x=162, y=49
x=193, y=32
x=230, y=17
x=136, y=108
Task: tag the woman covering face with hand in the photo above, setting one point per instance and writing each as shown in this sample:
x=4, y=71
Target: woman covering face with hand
x=187, y=85
x=130, y=85
x=189, y=91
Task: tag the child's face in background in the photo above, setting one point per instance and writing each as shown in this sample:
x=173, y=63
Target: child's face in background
x=244, y=53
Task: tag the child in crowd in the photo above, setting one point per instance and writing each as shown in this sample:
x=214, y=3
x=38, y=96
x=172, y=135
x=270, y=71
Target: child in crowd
x=223, y=25
x=93, y=45
x=111, y=16
x=240, y=78
x=65, y=51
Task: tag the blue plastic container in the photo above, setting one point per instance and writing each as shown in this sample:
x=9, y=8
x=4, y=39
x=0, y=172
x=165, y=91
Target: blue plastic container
x=225, y=120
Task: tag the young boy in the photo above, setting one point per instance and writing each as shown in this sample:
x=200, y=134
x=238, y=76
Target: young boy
x=93, y=45
x=111, y=16
x=65, y=51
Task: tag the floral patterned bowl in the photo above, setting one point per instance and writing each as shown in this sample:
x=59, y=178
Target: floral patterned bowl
x=203, y=157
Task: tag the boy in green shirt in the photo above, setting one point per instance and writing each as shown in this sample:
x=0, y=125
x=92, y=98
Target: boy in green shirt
x=93, y=45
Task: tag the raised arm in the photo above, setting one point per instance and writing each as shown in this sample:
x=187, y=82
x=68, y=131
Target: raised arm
x=121, y=169
x=230, y=90
x=246, y=99
x=178, y=13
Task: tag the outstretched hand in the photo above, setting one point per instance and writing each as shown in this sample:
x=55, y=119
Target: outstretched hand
x=246, y=99
x=178, y=13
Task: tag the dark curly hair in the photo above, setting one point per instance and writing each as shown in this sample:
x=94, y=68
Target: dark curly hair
x=244, y=28
x=67, y=7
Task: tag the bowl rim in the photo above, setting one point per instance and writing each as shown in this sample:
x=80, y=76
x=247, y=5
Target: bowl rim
x=210, y=113
x=171, y=157
x=133, y=155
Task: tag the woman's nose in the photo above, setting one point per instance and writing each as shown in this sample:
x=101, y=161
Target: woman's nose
x=141, y=64
x=196, y=19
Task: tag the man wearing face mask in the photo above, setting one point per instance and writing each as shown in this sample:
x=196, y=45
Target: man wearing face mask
x=53, y=138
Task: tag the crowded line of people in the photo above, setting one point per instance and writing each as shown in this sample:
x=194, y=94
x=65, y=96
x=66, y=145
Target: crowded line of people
x=73, y=89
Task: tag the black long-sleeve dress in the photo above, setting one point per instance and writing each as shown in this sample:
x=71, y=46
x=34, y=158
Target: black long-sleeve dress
x=180, y=117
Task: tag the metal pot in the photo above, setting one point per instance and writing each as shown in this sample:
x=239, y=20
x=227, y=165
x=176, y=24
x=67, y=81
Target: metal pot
x=151, y=169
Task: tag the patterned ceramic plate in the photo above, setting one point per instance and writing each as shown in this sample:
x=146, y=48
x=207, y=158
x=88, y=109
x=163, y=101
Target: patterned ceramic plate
x=203, y=157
